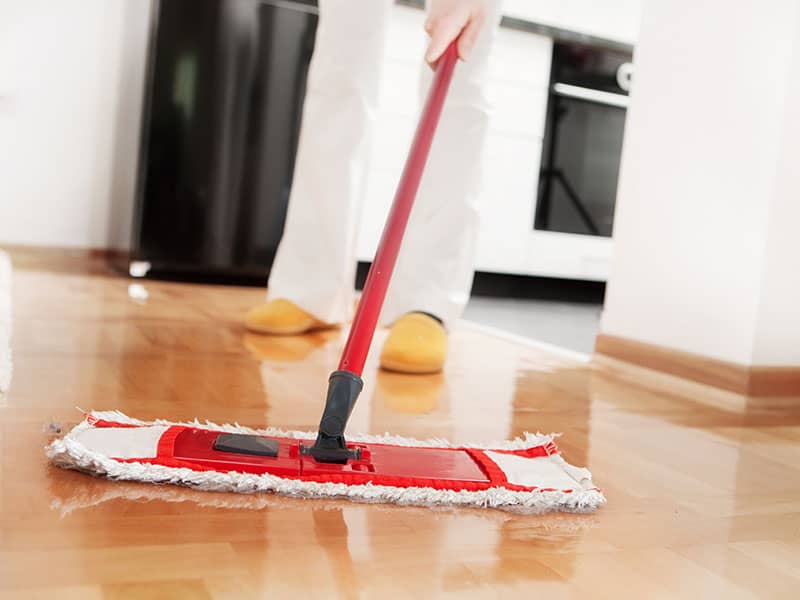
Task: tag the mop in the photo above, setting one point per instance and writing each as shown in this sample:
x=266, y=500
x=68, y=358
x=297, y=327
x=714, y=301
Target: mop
x=527, y=474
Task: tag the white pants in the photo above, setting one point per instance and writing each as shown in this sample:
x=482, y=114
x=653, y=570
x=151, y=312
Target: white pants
x=315, y=264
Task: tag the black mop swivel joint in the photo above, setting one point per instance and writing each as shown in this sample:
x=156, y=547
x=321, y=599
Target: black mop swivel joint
x=330, y=446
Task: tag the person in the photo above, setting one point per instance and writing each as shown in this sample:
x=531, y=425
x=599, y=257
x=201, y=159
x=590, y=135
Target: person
x=311, y=284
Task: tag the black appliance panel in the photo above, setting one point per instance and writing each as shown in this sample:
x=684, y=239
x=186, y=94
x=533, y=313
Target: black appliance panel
x=583, y=139
x=226, y=90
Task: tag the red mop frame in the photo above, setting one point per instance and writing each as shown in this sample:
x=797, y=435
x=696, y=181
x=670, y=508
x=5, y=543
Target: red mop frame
x=165, y=456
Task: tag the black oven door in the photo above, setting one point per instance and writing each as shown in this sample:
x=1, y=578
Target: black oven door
x=580, y=160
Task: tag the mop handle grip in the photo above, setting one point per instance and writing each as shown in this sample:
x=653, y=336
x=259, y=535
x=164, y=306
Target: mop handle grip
x=369, y=308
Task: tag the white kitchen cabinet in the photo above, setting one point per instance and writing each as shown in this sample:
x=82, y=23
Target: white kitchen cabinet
x=616, y=20
x=519, y=79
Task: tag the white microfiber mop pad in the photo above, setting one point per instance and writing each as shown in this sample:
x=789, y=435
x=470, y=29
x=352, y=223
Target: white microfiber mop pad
x=527, y=474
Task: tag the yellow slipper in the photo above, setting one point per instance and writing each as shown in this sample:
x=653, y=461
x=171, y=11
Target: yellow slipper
x=281, y=317
x=417, y=343
x=409, y=395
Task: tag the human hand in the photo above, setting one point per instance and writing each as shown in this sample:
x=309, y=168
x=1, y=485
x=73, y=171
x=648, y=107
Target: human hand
x=451, y=19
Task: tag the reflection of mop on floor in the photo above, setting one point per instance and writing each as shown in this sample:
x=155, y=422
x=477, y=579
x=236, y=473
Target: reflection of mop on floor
x=68, y=499
x=5, y=325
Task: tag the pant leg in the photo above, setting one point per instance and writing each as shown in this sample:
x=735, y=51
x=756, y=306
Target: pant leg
x=435, y=268
x=315, y=263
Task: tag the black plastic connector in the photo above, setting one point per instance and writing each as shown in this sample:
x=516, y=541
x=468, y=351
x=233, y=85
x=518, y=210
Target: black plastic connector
x=331, y=447
x=240, y=443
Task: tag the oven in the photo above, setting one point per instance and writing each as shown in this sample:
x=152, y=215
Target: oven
x=582, y=142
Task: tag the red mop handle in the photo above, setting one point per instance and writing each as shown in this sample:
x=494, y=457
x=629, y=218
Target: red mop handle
x=369, y=308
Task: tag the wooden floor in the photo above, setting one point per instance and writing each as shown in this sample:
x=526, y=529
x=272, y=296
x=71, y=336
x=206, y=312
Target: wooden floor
x=703, y=487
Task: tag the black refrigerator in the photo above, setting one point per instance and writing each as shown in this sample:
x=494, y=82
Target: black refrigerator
x=224, y=96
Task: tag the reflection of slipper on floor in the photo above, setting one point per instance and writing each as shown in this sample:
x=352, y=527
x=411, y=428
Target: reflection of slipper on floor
x=5, y=324
x=410, y=394
x=286, y=348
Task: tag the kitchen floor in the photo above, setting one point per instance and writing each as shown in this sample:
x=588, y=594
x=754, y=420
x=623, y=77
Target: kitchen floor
x=571, y=325
x=701, y=485
x=564, y=313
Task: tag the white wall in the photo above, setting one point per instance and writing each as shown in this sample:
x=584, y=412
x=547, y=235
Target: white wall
x=778, y=324
x=71, y=77
x=703, y=244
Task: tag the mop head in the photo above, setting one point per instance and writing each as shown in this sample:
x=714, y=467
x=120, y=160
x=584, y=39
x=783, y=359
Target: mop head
x=525, y=475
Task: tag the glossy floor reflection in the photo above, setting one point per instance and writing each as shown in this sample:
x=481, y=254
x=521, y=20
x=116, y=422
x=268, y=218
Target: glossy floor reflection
x=702, y=485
